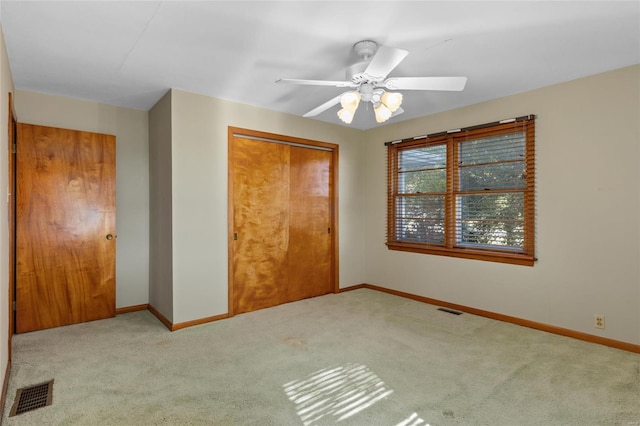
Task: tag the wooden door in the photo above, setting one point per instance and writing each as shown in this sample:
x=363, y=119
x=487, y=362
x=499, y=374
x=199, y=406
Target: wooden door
x=282, y=248
x=261, y=218
x=65, y=230
x=309, y=254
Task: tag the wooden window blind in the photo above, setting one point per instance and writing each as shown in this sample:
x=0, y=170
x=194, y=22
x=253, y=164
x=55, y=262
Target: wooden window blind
x=465, y=193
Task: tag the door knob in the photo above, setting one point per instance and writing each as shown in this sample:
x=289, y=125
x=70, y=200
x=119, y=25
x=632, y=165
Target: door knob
x=109, y=237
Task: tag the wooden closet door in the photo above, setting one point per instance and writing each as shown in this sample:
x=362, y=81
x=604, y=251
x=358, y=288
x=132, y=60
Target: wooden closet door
x=309, y=260
x=261, y=219
x=65, y=229
x=281, y=218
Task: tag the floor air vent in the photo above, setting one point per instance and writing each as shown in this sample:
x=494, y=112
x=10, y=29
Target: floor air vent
x=32, y=397
x=450, y=311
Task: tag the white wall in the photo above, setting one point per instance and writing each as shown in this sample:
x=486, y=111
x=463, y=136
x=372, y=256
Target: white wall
x=132, y=177
x=6, y=86
x=588, y=211
x=199, y=169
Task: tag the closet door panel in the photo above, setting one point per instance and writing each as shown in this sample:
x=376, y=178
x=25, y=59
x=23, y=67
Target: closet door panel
x=261, y=223
x=309, y=260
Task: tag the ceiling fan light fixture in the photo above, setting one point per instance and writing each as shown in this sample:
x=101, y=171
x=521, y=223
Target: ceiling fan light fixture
x=382, y=113
x=350, y=101
x=346, y=115
x=367, y=80
x=392, y=100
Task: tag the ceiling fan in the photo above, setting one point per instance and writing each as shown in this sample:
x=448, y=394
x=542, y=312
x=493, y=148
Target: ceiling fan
x=368, y=82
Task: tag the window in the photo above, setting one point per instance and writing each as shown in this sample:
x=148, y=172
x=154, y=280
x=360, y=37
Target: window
x=465, y=193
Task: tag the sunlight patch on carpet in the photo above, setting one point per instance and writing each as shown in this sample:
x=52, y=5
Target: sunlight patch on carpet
x=340, y=392
x=413, y=420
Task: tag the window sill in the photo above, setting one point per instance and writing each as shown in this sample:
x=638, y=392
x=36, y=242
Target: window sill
x=465, y=253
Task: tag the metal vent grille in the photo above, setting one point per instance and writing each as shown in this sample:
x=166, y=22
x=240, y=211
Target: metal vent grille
x=450, y=311
x=32, y=397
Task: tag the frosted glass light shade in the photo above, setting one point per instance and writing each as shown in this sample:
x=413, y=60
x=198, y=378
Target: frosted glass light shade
x=346, y=115
x=382, y=113
x=350, y=101
x=392, y=100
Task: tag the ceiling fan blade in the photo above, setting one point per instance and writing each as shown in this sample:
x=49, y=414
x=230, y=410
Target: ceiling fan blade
x=455, y=84
x=325, y=106
x=384, y=61
x=316, y=82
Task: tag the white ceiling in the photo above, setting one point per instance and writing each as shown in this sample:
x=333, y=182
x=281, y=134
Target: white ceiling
x=130, y=53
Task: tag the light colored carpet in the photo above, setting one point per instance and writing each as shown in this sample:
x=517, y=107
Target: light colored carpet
x=355, y=358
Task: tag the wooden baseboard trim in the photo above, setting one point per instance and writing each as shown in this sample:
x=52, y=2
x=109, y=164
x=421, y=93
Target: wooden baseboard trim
x=506, y=318
x=186, y=324
x=5, y=386
x=134, y=308
x=161, y=317
x=200, y=321
x=353, y=287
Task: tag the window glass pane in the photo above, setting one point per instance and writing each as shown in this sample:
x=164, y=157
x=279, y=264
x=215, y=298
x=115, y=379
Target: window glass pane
x=495, y=162
x=420, y=219
x=493, y=149
x=422, y=158
x=422, y=181
x=422, y=170
x=491, y=220
x=493, y=176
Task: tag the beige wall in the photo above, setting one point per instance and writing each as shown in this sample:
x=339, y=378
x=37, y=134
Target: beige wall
x=587, y=204
x=132, y=177
x=6, y=86
x=160, y=220
x=199, y=170
x=588, y=159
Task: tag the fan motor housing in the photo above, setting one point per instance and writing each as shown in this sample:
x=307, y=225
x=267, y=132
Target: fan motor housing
x=365, y=49
x=355, y=72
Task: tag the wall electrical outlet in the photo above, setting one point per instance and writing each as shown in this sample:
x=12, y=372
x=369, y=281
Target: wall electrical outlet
x=599, y=321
